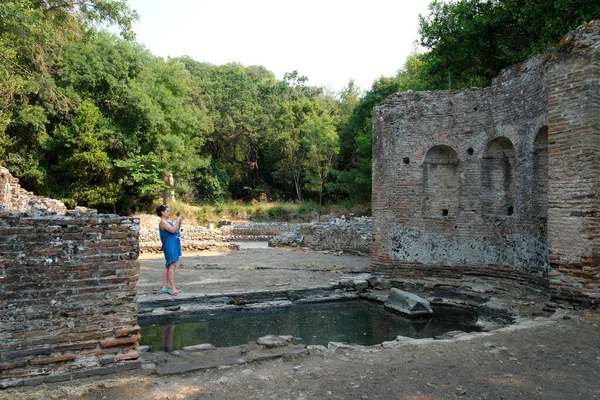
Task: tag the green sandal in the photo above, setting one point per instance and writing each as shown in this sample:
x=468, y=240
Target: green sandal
x=167, y=290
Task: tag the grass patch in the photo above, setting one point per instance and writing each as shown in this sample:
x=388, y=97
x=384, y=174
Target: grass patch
x=307, y=211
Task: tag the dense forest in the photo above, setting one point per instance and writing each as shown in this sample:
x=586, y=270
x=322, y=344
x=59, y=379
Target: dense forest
x=96, y=119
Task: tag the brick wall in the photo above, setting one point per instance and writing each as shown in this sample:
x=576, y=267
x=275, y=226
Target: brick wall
x=574, y=166
x=67, y=296
x=500, y=181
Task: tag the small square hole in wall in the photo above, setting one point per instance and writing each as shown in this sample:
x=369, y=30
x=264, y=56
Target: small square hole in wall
x=470, y=151
x=444, y=212
x=509, y=211
x=406, y=160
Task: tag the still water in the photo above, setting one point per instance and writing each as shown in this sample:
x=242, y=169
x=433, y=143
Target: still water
x=358, y=322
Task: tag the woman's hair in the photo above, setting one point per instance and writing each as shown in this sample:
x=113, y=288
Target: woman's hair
x=160, y=209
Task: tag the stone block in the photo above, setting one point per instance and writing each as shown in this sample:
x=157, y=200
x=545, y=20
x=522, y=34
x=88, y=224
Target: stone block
x=408, y=303
x=274, y=341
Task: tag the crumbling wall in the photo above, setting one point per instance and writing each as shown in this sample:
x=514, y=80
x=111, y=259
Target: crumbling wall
x=67, y=296
x=67, y=289
x=339, y=235
x=15, y=198
x=500, y=181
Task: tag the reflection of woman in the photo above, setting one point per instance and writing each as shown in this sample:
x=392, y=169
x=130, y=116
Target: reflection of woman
x=168, y=336
x=171, y=247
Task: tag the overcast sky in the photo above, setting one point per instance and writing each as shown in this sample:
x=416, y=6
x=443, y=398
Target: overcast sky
x=328, y=41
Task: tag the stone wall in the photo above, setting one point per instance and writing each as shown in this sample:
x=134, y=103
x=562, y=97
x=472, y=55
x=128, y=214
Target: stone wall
x=67, y=291
x=15, y=198
x=195, y=238
x=255, y=231
x=500, y=181
x=338, y=235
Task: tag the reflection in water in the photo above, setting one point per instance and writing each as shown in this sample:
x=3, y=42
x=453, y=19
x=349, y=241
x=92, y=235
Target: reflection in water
x=168, y=334
x=358, y=322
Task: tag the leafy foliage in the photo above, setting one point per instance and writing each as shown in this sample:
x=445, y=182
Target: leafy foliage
x=470, y=41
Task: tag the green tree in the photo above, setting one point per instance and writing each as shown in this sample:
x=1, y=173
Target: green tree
x=321, y=143
x=470, y=41
x=288, y=144
x=82, y=169
x=141, y=178
x=33, y=35
x=240, y=103
x=149, y=104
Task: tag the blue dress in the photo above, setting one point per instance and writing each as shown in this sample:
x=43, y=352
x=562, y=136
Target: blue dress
x=171, y=245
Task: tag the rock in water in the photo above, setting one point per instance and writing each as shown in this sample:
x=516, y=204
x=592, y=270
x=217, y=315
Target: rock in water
x=408, y=303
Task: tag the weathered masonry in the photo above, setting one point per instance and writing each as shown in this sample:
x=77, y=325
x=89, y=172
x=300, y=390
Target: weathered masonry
x=501, y=182
x=67, y=290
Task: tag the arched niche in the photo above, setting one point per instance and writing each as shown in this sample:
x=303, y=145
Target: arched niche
x=440, y=182
x=539, y=189
x=497, y=178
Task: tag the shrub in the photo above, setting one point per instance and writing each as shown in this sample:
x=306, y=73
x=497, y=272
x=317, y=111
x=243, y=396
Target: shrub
x=279, y=212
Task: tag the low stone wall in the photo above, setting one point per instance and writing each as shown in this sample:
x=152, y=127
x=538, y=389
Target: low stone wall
x=255, y=231
x=352, y=236
x=197, y=238
x=193, y=238
x=67, y=296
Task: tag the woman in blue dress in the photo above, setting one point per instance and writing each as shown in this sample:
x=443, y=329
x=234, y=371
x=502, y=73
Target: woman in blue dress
x=171, y=247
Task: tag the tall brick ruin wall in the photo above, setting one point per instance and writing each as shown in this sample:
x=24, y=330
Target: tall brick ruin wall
x=574, y=167
x=67, y=295
x=499, y=182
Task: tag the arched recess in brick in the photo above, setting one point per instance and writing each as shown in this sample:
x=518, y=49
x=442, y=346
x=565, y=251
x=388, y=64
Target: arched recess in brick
x=497, y=178
x=440, y=182
x=539, y=190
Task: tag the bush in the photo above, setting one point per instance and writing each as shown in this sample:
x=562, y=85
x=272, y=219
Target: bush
x=308, y=207
x=278, y=212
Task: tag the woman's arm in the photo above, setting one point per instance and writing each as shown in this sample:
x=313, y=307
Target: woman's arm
x=164, y=225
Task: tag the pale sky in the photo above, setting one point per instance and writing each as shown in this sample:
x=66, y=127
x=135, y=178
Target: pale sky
x=328, y=41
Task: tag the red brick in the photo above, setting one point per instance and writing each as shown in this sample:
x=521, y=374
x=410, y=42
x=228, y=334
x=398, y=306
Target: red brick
x=117, y=342
x=128, y=356
x=53, y=360
x=127, y=331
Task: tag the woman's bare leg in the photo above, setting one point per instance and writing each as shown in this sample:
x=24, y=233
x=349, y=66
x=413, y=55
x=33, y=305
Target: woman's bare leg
x=165, y=278
x=171, y=276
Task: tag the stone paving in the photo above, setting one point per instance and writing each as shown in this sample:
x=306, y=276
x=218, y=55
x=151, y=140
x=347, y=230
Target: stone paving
x=250, y=271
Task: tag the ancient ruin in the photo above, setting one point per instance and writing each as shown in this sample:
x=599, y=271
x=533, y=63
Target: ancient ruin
x=67, y=290
x=15, y=198
x=501, y=182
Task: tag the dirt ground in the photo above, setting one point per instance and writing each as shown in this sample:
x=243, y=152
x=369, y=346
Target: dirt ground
x=550, y=357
